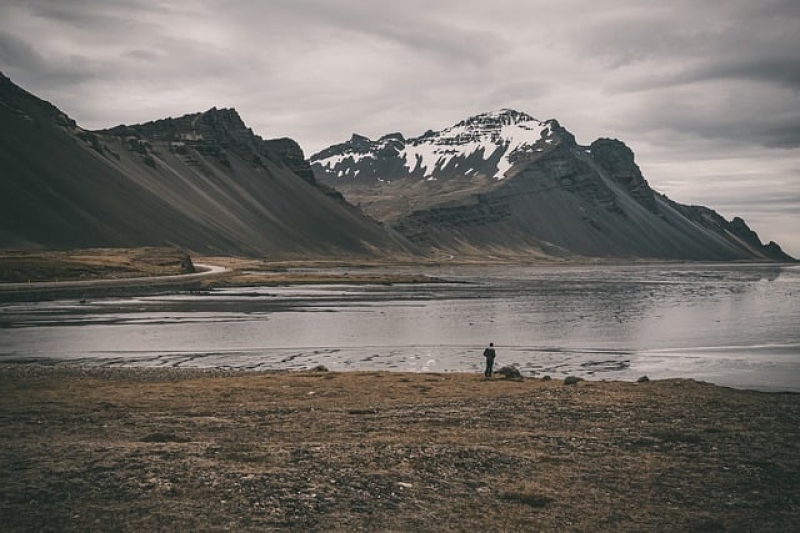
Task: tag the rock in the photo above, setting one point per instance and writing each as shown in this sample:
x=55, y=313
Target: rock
x=546, y=378
x=643, y=379
x=572, y=380
x=187, y=266
x=166, y=437
x=510, y=372
x=320, y=368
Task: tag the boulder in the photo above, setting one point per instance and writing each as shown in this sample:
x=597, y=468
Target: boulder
x=572, y=380
x=509, y=372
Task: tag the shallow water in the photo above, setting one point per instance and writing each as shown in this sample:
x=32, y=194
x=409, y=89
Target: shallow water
x=736, y=325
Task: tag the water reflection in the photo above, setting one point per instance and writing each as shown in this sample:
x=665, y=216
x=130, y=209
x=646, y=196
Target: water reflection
x=616, y=322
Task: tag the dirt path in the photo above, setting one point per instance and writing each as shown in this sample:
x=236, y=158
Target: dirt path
x=107, y=286
x=178, y=450
x=203, y=271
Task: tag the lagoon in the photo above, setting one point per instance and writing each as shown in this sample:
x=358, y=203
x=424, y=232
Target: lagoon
x=731, y=324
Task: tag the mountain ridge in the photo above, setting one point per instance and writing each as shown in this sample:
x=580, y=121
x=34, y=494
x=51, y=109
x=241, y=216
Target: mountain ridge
x=204, y=182
x=499, y=184
x=506, y=183
x=500, y=139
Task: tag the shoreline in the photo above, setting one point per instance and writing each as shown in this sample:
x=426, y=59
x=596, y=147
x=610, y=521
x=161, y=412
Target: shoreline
x=772, y=368
x=138, y=372
x=148, y=449
x=102, y=273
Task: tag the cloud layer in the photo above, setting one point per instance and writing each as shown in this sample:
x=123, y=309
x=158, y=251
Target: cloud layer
x=705, y=93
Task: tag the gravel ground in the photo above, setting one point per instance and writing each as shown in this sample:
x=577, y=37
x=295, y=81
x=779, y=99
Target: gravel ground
x=166, y=449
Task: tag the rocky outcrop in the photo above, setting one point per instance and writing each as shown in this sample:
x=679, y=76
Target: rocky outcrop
x=577, y=177
x=739, y=227
x=290, y=154
x=485, y=211
x=617, y=160
x=216, y=133
x=736, y=231
x=774, y=251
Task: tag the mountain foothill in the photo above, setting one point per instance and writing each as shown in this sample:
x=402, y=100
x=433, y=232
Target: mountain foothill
x=497, y=185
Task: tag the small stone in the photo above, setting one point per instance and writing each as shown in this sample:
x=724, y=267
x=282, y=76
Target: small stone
x=572, y=380
x=405, y=485
x=546, y=378
x=643, y=379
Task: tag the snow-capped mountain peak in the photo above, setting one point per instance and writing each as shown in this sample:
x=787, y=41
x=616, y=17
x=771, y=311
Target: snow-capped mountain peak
x=488, y=143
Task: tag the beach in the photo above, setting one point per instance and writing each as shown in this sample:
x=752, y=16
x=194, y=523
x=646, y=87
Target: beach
x=171, y=449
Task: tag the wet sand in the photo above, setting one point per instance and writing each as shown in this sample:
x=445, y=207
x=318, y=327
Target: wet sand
x=102, y=449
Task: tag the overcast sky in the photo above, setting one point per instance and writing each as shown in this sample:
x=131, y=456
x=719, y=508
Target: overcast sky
x=707, y=94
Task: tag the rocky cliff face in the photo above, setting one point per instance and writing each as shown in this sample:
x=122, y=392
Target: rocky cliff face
x=617, y=160
x=736, y=230
x=504, y=183
x=203, y=181
x=216, y=133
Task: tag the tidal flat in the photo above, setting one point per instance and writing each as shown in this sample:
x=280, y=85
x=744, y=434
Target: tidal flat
x=729, y=324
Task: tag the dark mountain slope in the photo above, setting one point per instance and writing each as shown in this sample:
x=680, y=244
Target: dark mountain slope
x=506, y=184
x=204, y=182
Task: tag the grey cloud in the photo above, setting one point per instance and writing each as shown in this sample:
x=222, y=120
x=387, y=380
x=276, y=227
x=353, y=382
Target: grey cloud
x=739, y=114
x=784, y=71
x=692, y=41
x=96, y=14
x=14, y=51
x=421, y=27
x=79, y=14
x=23, y=62
x=779, y=71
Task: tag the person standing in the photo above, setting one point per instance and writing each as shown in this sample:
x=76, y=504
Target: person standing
x=489, y=354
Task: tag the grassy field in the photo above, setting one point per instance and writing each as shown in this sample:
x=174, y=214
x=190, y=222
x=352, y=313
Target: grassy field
x=121, y=263
x=94, y=263
x=107, y=449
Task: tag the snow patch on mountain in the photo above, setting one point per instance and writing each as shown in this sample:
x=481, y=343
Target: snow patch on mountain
x=502, y=136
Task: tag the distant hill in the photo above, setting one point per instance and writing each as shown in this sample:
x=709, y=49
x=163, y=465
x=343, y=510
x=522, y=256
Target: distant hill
x=204, y=182
x=506, y=184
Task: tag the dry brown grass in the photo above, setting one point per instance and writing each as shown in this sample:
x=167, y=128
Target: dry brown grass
x=250, y=272
x=87, y=264
x=145, y=450
x=253, y=279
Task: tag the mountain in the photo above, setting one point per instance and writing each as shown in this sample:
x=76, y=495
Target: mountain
x=506, y=184
x=204, y=182
x=488, y=144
